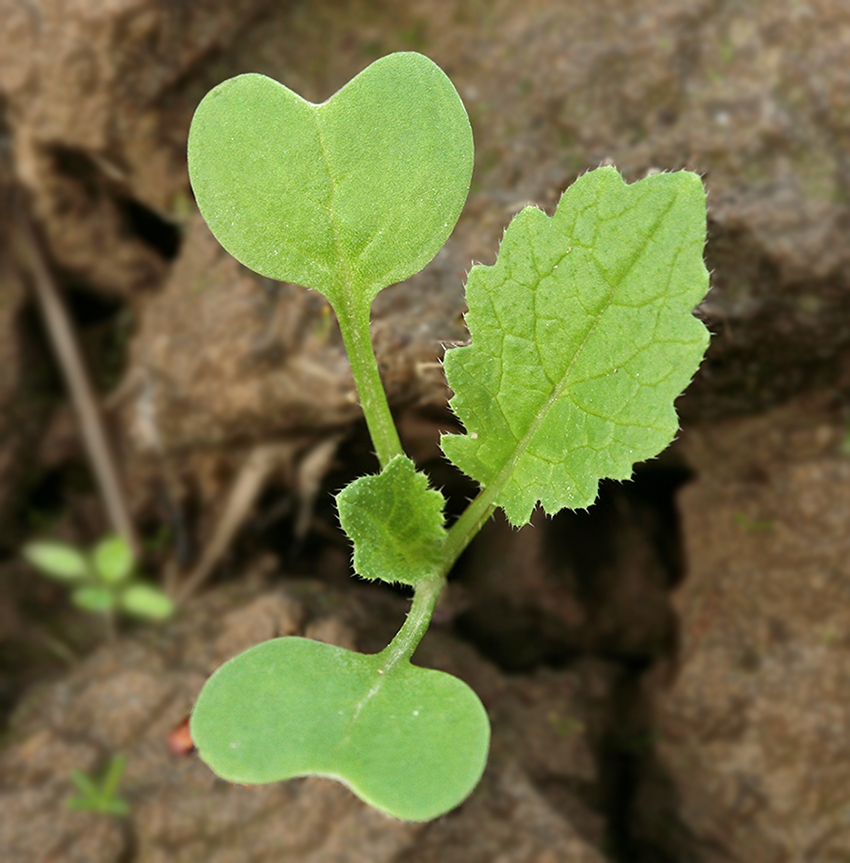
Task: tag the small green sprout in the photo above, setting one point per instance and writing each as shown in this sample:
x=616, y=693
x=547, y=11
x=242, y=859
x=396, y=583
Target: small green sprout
x=582, y=336
x=753, y=525
x=100, y=795
x=103, y=580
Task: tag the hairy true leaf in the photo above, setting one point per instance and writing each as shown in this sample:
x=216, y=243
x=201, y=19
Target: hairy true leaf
x=582, y=337
x=395, y=522
x=409, y=741
x=346, y=197
x=57, y=560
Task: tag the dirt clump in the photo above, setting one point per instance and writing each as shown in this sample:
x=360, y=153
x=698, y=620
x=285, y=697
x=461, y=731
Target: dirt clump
x=751, y=731
x=536, y=801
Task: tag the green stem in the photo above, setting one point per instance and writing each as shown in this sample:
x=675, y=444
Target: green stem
x=415, y=626
x=463, y=531
x=428, y=591
x=354, y=325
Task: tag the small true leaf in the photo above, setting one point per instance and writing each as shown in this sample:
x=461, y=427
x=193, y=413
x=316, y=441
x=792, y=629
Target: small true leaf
x=396, y=523
x=410, y=741
x=582, y=337
x=113, y=560
x=57, y=560
x=147, y=602
x=346, y=197
x=93, y=598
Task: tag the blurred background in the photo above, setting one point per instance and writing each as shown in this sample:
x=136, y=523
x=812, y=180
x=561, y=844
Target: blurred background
x=668, y=673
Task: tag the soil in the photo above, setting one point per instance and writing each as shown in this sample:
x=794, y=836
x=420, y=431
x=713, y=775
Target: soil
x=666, y=672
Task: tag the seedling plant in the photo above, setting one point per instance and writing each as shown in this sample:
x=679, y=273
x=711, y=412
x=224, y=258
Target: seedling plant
x=102, y=580
x=582, y=335
x=100, y=794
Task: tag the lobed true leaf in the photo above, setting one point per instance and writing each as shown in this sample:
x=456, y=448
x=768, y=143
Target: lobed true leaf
x=395, y=521
x=582, y=337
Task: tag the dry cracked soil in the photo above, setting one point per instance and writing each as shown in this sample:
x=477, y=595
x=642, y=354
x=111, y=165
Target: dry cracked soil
x=667, y=673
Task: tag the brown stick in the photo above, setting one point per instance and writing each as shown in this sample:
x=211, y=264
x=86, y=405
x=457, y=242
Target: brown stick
x=249, y=482
x=82, y=393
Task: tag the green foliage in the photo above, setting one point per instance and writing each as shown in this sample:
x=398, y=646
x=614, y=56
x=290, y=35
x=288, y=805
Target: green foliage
x=145, y=602
x=93, y=598
x=57, y=560
x=102, y=580
x=100, y=795
x=113, y=560
x=395, y=522
x=582, y=337
x=408, y=740
x=346, y=197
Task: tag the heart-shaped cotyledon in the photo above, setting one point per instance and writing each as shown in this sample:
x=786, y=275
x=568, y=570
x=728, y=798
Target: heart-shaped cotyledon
x=410, y=741
x=347, y=196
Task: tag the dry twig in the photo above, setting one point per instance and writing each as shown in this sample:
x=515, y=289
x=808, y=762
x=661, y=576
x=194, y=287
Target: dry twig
x=82, y=393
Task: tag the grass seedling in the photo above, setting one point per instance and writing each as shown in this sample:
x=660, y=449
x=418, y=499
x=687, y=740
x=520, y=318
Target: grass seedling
x=582, y=335
x=102, y=580
x=100, y=795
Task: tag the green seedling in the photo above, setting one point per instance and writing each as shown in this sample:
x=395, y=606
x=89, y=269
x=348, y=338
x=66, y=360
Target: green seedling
x=753, y=525
x=103, y=580
x=100, y=795
x=582, y=335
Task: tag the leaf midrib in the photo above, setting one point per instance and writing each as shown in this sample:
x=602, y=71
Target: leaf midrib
x=347, y=296
x=522, y=444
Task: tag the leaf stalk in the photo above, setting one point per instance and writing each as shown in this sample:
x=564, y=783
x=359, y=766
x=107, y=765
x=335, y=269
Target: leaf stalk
x=354, y=326
x=407, y=639
x=463, y=531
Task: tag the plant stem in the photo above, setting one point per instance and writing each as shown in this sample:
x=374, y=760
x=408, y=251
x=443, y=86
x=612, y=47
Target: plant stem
x=415, y=626
x=354, y=325
x=427, y=592
x=463, y=531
